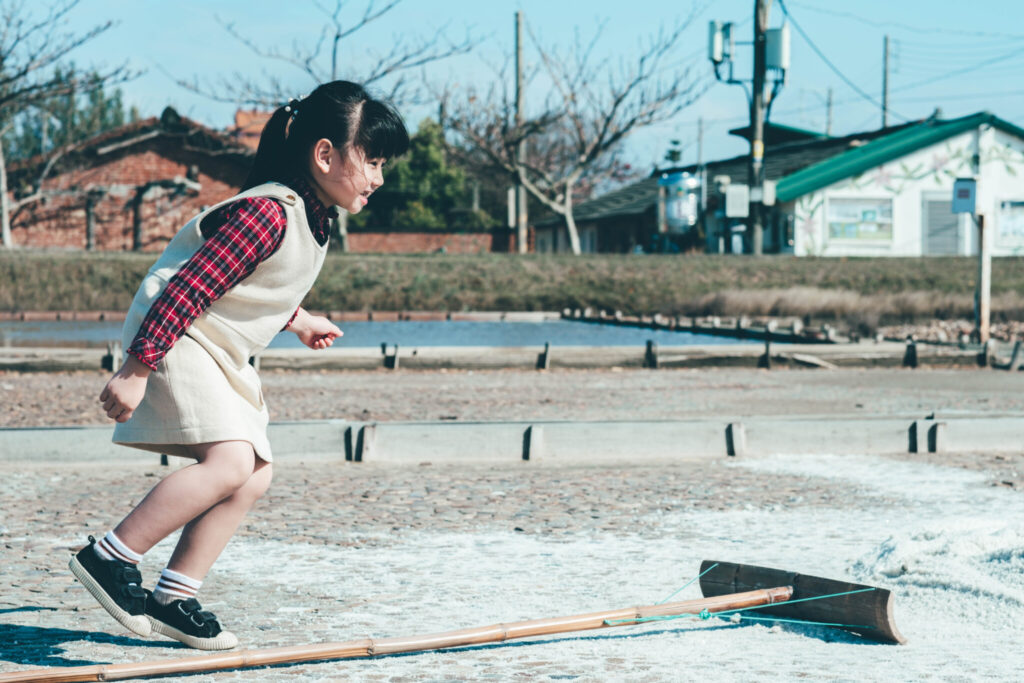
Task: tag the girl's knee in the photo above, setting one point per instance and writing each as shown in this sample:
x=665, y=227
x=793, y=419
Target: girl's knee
x=257, y=484
x=261, y=479
x=230, y=464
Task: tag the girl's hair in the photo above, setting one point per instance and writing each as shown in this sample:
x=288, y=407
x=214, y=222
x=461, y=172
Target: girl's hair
x=340, y=111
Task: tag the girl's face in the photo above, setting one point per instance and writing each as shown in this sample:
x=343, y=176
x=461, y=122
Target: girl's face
x=345, y=178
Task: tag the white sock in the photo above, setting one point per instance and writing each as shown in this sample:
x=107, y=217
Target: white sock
x=110, y=547
x=175, y=586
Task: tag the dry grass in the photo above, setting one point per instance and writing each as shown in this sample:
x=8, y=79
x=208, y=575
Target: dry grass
x=870, y=290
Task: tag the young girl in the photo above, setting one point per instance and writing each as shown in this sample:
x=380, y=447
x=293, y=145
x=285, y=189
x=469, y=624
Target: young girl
x=225, y=285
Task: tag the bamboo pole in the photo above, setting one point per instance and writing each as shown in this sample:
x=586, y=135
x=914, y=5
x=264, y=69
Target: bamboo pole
x=370, y=647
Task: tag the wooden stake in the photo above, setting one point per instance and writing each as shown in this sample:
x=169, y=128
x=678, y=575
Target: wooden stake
x=369, y=647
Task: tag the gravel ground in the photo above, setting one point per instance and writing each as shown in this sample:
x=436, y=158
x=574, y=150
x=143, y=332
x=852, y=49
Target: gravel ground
x=375, y=551
x=64, y=399
x=338, y=551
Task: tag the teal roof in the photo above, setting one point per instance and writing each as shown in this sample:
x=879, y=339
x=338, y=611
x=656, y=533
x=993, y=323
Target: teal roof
x=905, y=141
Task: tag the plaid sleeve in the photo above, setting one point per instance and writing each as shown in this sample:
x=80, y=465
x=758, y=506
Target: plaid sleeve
x=251, y=231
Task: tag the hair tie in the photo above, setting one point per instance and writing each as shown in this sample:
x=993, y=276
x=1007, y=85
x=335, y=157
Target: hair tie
x=292, y=107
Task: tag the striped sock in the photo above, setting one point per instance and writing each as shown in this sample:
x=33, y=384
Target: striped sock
x=110, y=547
x=175, y=586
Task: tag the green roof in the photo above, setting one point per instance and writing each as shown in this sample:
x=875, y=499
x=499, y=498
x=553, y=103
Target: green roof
x=855, y=161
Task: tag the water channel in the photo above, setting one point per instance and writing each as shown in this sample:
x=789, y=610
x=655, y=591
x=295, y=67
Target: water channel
x=91, y=334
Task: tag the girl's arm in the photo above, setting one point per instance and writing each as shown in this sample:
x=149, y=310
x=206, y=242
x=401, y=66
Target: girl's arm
x=125, y=390
x=314, y=331
x=250, y=231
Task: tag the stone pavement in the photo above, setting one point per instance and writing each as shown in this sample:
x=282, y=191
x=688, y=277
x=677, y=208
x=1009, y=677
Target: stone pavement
x=339, y=551
x=49, y=620
x=276, y=583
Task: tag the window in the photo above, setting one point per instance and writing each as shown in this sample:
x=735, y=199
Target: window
x=1011, y=221
x=867, y=220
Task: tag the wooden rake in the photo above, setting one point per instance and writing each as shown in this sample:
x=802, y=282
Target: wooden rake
x=727, y=588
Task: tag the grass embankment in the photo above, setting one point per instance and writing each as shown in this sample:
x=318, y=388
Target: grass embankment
x=866, y=290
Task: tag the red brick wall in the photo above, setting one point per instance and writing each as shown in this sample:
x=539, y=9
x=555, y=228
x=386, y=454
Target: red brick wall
x=60, y=220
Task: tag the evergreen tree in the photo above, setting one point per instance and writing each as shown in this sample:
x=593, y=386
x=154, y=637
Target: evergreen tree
x=422, y=191
x=66, y=118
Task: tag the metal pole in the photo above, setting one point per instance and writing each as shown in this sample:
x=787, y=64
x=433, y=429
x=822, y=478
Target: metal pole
x=984, y=281
x=521, y=217
x=700, y=141
x=885, y=82
x=828, y=118
x=757, y=112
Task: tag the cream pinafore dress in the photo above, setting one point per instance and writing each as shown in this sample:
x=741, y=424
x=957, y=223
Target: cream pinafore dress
x=204, y=389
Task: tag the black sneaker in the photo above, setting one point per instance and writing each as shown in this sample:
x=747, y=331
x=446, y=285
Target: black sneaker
x=115, y=585
x=188, y=622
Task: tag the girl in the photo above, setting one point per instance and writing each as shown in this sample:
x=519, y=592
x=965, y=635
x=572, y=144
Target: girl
x=225, y=285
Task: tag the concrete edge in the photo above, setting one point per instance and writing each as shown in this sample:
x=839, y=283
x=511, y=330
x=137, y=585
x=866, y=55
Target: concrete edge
x=607, y=442
x=884, y=354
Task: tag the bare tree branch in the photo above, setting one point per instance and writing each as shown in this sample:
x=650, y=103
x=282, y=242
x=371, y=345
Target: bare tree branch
x=267, y=91
x=591, y=108
x=31, y=54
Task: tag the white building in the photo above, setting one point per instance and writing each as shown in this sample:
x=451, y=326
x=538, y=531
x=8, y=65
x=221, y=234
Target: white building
x=885, y=192
x=892, y=195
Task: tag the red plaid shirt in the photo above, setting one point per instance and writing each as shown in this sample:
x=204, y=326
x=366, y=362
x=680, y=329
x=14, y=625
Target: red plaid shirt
x=239, y=236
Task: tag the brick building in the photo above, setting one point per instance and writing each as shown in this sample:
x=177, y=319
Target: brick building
x=129, y=188
x=133, y=187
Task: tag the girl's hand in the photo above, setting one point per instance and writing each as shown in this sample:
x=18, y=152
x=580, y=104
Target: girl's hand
x=125, y=390
x=314, y=331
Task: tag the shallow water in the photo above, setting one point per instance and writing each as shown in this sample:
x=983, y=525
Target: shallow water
x=93, y=334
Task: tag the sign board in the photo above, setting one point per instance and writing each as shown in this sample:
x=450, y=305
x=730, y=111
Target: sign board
x=965, y=191
x=769, y=193
x=737, y=201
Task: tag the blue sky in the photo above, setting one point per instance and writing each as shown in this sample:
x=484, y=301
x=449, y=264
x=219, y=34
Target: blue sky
x=962, y=57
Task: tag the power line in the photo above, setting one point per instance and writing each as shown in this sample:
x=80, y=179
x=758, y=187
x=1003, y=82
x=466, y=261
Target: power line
x=906, y=27
x=959, y=72
x=832, y=66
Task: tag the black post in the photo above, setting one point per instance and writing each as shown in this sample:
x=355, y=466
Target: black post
x=757, y=115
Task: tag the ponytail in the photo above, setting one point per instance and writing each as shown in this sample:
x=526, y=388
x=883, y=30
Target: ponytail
x=271, y=155
x=339, y=111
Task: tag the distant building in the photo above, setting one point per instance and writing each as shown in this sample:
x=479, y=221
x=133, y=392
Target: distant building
x=135, y=186
x=132, y=187
x=878, y=193
x=248, y=126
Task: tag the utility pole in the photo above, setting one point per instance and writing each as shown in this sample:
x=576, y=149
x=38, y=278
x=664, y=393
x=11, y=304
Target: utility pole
x=885, y=81
x=521, y=217
x=755, y=173
x=700, y=141
x=984, y=294
x=828, y=116
x=771, y=54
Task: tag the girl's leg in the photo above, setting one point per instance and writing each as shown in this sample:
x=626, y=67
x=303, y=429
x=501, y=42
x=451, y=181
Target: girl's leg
x=203, y=539
x=223, y=468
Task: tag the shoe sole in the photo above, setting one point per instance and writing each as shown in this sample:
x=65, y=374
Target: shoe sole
x=225, y=640
x=136, y=623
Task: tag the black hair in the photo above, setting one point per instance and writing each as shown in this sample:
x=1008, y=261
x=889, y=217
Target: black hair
x=339, y=111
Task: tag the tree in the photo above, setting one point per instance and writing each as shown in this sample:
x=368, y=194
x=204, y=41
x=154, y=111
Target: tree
x=574, y=139
x=318, y=61
x=65, y=119
x=422, y=190
x=32, y=50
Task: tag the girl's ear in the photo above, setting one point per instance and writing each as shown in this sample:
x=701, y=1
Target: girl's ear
x=322, y=155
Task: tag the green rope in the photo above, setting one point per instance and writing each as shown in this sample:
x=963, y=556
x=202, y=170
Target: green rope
x=798, y=621
x=688, y=583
